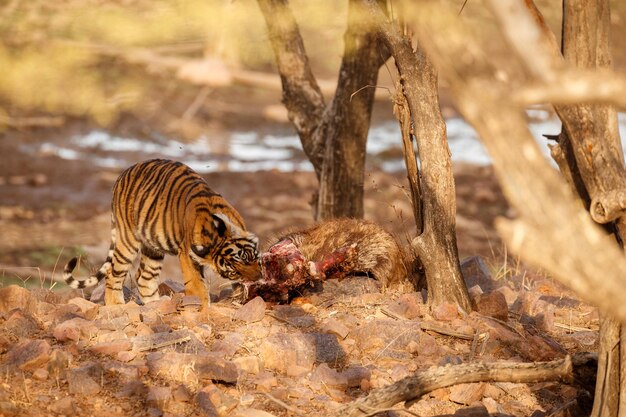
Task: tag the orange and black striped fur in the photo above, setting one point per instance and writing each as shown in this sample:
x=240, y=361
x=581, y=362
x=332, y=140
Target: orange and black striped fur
x=163, y=207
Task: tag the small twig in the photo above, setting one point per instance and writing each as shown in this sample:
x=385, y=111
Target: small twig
x=372, y=412
x=572, y=328
x=561, y=408
x=369, y=86
x=391, y=314
x=282, y=404
x=474, y=345
x=280, y=318
x=428, y=326
x=165, y=343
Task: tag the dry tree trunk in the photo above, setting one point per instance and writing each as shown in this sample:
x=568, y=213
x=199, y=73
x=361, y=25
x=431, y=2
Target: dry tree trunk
x=590, y=157
x=591, y=135
x=333, y=138
x=412, y=388
x=435, y=244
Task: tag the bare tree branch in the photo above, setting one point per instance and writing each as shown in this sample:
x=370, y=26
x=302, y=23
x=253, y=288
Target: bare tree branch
x=301, y=94
x=411, y=388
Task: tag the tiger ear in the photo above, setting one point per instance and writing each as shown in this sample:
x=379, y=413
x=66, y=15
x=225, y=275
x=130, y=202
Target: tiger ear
x=219, y=224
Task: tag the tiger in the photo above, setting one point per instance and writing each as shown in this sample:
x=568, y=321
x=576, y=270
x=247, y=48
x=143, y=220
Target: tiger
x=163, y=207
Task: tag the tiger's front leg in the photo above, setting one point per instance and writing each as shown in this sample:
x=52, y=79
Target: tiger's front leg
x=192, y=277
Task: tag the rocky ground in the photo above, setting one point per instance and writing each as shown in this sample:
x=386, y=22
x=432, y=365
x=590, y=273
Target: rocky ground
x=64, y=355
x=61, y=354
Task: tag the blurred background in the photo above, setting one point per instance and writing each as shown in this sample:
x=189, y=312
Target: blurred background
x=89, y=87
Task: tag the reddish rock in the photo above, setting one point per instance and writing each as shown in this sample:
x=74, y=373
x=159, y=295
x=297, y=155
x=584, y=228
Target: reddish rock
x=21, y=324
x=475, y=410
x=386, y=337
x=59, y=363
x=182, y=394
x=324, y=376
x=265, y=381
x=356, y=375
x=64, y=406
x=295, y=354
x=170, y=287
x=493, y=304
x=14, y=296
x=253, y=310
x=130, y=310
x=476, y=272
x=88, y=309
x=446, y=312
x=249, y=364
x=509, y=294
x=41, y=374
x=203, y=332
x=222, y=403
x=126, y=356
x=467, y=393
x=74, y=330
x=28, y=355
x=204, y=403
x=229, y=344
x=334, y=326
x=158, y=397
x=408, y=306
x=83, y=380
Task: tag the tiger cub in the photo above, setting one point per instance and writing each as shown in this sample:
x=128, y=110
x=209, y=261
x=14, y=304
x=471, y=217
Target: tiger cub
x=163, y=207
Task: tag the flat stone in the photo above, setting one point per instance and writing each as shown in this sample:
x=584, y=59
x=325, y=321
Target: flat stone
x=334, y=326
x=475, y=410
x=170, y=287
x=191, y=368
x=356, y=375
x=476, y=272
x=408, y=306
x=21, y=324
x=41, y=374
x=229, y=344
x=206, y=407
x=121, y=371
x=265, y=381
x=126, y=356
x=28, y=355
x=111, y=348
x=323, y=376
x=158, y=397
x=74, y=330
x=182, y=394
x=467, y=393
x=253, y=310
x=88, y=309
x=446, y=312
x=14, y=296
x=223, y=401
x=295, y=354
x=59, y=363
x=249, y=364
x=81, y=381
x=130, y=310
x=63, y=406
x=386, y=337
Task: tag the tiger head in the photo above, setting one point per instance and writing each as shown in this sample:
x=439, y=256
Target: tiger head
x=229, y=248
